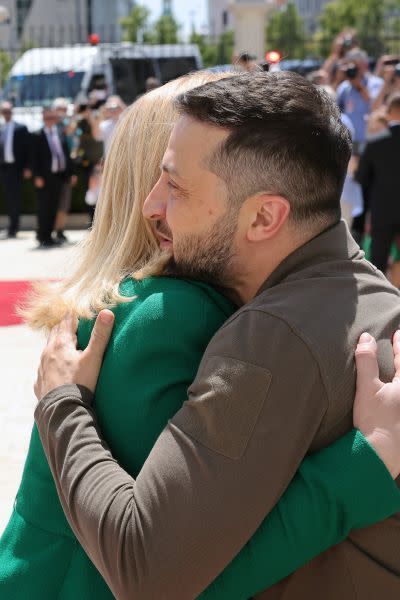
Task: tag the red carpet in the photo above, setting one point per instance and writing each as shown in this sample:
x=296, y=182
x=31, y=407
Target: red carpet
x=11, y=294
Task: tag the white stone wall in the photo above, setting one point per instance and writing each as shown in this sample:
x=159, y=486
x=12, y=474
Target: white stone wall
x=216, y=10
x=250, y=20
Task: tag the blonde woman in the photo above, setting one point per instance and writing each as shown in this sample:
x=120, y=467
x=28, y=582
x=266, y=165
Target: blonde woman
x=162, y=326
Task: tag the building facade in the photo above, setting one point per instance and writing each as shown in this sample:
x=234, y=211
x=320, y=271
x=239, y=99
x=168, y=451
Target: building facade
x=59, y=22
x=220, y=18
x=310, y=10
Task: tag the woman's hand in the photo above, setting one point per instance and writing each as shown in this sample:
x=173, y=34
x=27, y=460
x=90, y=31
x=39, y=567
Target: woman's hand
x=377, y=404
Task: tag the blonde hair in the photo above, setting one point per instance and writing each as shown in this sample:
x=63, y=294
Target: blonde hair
x=121, y=243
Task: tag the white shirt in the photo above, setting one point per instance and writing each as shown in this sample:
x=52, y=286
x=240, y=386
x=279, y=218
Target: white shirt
x=106, y=130
x=8, y=142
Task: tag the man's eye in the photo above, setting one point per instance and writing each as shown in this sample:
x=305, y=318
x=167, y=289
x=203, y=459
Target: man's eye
x=171, y=185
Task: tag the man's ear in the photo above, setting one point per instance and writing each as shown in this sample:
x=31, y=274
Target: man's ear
x=268, y=214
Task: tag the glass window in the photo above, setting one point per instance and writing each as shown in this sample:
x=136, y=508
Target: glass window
x=42, y=89
x=130, y=76
x=171, y=68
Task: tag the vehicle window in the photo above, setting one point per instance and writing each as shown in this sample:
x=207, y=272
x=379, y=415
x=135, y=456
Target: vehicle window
x=130, y=76
x=42, y=89
x=173, y=67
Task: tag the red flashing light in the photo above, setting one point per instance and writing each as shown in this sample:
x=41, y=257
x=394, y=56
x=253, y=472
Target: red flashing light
x=71, y=74
x=94, y=39
x=273, y=57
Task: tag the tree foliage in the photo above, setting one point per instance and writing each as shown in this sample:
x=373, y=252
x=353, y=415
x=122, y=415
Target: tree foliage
x=5, y=66
x=137, y=27
x=217, y=53
x=285, y=32
x=136, y=24
x=366, y=16
x=164, y=31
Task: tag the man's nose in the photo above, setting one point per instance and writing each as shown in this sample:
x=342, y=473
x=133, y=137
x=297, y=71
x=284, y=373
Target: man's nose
x=154, y=207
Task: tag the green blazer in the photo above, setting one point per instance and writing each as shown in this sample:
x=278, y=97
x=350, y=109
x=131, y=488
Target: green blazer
x=157, y=343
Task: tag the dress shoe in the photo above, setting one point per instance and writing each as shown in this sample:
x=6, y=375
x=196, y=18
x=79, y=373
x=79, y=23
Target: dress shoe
x=48, y=244
x=61, y=237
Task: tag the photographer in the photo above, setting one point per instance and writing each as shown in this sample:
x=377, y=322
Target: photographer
x=343, y=43
x=356, y=94
x=388, y=68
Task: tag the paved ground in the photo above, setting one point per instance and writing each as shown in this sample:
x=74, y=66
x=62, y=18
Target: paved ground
x=19, y=354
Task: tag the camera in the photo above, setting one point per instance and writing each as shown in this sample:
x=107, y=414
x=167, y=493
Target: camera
x=82, y=107
x=348, y=42
x=351, y=71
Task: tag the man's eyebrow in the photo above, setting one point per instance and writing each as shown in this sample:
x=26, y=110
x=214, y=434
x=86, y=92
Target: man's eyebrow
x=167, y=168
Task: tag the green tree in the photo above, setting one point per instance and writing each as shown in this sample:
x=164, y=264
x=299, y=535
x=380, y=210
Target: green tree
x=225, y=46
x=165, y=30
x=366, y=16
x=209, y=52
x=285, y=32
x=135, y=25
x=5, y=66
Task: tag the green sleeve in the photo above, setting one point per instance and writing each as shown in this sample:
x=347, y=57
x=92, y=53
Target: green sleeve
x=342, y=487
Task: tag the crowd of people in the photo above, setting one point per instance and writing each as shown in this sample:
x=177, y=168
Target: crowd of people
x=369, y=98
x=66, y=145
x=72, y=144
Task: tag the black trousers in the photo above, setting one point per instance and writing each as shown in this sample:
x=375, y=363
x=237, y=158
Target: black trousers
x=382, y=237
x=11, y=179
x=48, y=200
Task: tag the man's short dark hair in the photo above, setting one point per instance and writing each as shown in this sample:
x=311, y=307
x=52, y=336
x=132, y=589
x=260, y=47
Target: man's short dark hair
x=286, y=137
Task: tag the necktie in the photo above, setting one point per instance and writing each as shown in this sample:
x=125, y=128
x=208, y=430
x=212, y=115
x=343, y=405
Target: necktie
x=56, y=150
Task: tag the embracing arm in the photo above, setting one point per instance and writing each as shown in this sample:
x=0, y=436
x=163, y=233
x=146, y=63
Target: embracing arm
x=170, y=532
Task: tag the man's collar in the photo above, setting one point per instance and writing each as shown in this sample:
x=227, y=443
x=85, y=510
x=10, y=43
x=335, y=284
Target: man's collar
x=335, y=243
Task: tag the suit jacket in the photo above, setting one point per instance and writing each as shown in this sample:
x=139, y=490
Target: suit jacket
x=379, y=175
x=42, y=158
x=21, y=146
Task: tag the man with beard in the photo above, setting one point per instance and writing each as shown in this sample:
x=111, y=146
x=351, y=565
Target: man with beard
x=250, y=190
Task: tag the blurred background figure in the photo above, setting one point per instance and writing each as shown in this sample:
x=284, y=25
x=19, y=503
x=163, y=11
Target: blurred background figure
x=320, y=77
x=357, y=92
x=388, y=69
x=52, y=166
x=104, y=125
x=152, y=83
x=246, y=62
x=14, y=159
x=351, y=201
x=379, y=175
x=355, y=96
x=88, y=151
x=65, y=129
x=93, y=191
x=345, y=41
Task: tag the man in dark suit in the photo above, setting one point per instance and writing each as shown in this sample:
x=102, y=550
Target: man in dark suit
x=14, y=157
x=379, y=175
x=52, y=166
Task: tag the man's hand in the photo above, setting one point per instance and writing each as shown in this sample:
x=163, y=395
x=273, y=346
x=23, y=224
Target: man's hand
x=27, y=173
x=377, y=404
x=61, y=363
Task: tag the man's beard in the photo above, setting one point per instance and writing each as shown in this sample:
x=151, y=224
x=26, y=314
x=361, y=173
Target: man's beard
x=210, y=257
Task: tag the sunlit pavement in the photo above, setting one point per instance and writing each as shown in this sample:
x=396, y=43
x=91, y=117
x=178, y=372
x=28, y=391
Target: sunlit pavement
x=19, y=354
